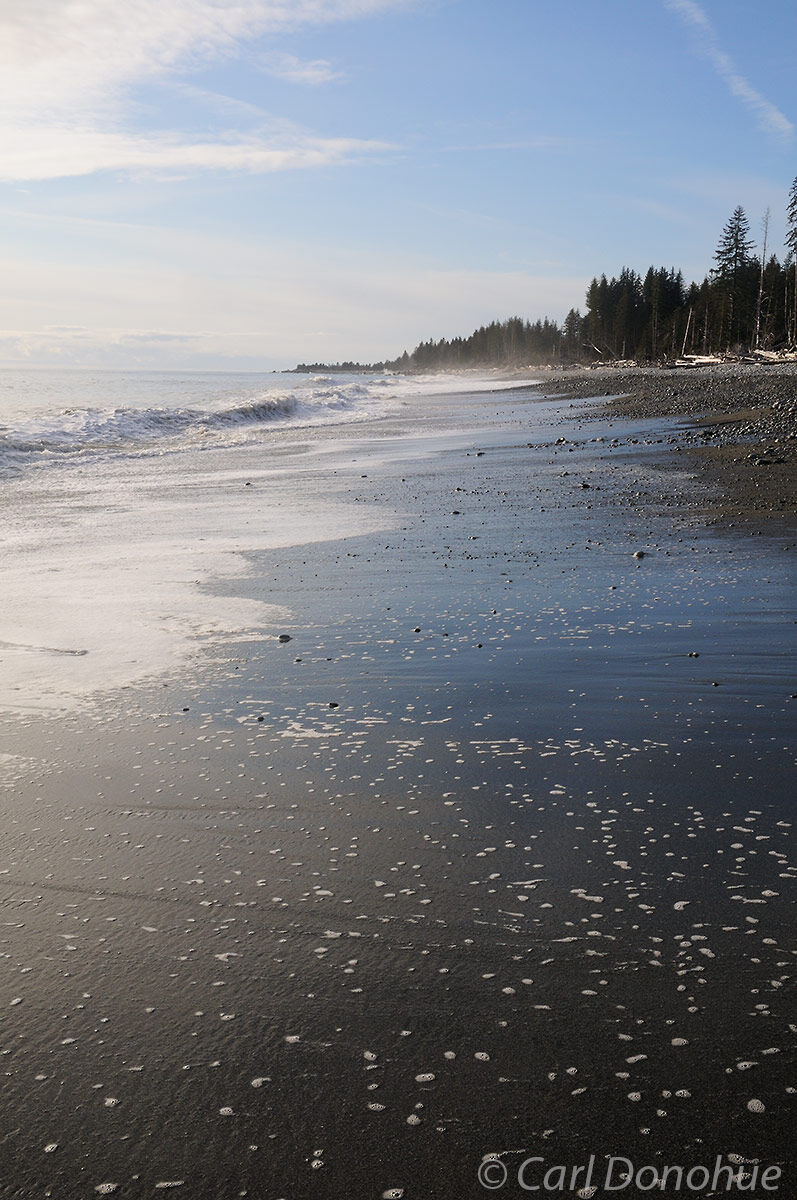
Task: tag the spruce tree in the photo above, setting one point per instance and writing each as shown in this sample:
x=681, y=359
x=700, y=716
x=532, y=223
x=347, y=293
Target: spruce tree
x=734, y=256
x=791, y=242
x=572, y=333
x=765, y=225
x=735, y=247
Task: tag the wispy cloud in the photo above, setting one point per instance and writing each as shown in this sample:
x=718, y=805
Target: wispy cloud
x=297, y=70
x=67, y=73
x=769, y=117
x=60, y=151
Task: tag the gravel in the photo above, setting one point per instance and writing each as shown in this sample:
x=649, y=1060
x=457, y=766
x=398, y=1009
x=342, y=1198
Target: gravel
x=738, y=421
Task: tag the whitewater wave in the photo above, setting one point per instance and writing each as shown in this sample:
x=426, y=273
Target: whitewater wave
x=210, y=415
x=92, y=431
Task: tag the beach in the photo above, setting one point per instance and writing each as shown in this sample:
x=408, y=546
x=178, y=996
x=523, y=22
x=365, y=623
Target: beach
x=427, y=823
x=738, y=420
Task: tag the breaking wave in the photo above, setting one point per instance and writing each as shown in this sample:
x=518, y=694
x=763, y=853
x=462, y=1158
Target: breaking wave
x=57, y=418
x=68, y=432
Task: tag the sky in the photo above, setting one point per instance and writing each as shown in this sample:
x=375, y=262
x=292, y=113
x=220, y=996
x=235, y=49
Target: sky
x=245, y=184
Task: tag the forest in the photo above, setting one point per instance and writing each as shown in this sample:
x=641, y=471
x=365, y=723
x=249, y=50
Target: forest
x=747, y=302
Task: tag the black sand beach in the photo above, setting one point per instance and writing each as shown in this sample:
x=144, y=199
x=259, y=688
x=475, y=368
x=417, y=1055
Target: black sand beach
x=493, y=857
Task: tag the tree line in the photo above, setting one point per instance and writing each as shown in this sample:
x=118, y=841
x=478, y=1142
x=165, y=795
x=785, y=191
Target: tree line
x=747, y=301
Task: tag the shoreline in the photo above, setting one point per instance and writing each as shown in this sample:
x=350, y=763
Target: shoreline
x=489, y=859
x=737, y=422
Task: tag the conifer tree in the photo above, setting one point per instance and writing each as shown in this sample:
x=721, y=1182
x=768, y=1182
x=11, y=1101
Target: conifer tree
x=572, y=333
x=765, y=225
x=735, y=247
x=791, y=242
x=747, y=298
x=733, y=256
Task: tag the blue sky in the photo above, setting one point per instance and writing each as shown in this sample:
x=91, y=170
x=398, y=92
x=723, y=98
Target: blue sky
x=201, y=183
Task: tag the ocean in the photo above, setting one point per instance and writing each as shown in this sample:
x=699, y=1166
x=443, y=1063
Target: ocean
x=51, y=415
x=127, y=498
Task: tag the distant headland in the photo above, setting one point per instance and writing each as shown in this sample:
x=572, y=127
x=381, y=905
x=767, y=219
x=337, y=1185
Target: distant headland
x=746, y=304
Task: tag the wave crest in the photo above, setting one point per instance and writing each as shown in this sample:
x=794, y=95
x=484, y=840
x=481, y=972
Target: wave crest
x=87, y=431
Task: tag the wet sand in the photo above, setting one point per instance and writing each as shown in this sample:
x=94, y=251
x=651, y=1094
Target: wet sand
x=492, y=858
x=737, y=421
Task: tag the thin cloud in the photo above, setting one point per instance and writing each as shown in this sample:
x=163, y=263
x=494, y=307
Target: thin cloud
x=67, y=73
x=155, y=338
x=769, y=117
x=53, y=152
x=297, y=70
